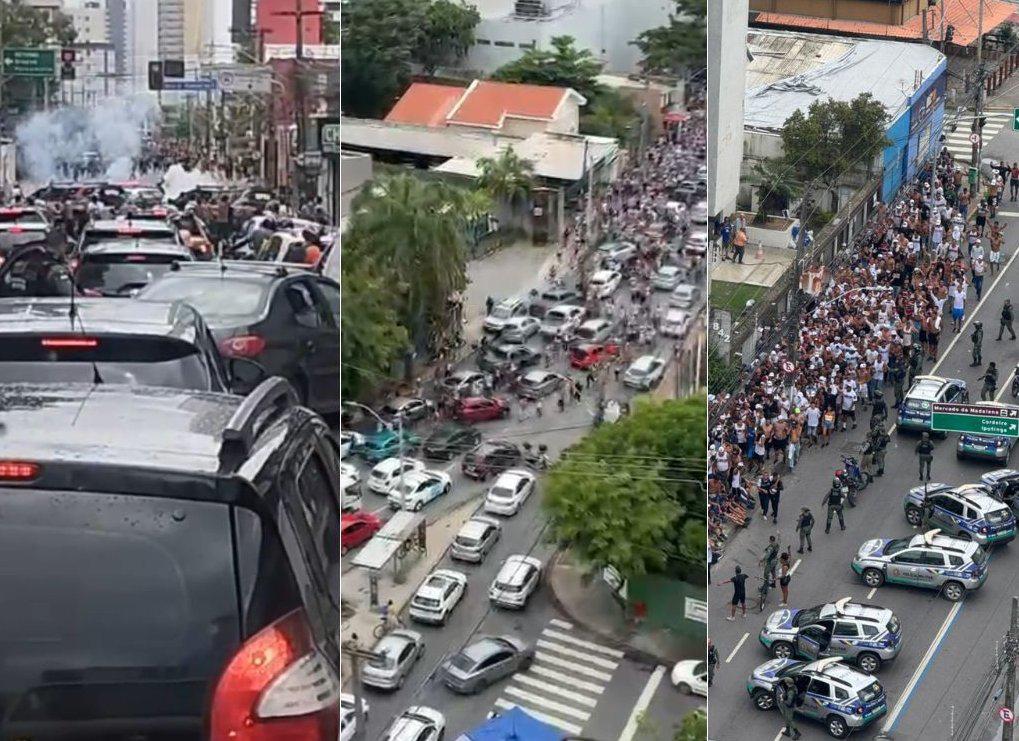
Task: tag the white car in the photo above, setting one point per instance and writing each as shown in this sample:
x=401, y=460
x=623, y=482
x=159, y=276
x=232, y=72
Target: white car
x=675, y=323
x=699, y=213
x=696, y=244
x=595, y=330
x=503, y=311
x=476, y=538
x=645, y=372
x=350, y=471
x=516, y=581
x=349, y=440
x=437, y=596
x=418, y=488
x=519, y=329
x=618, y=253
x=417, y=723
x=561, y=320
x=691, y=675
x=386, y=474
x=685, y=296
x=350, y=494
x=509, y=492
x=605, y=282
x=348, y=716
x=667, y=277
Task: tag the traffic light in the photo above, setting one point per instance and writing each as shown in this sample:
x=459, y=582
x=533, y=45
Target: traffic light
x=68, y=56
x=173, y=68
x=66, y=70
x=155, y=75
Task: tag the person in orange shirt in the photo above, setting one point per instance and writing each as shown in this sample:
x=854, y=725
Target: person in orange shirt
x=739, y=243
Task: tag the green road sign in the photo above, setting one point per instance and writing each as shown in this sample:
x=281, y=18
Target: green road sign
x=976, y=419
x=30, y=62
x=1015, y=119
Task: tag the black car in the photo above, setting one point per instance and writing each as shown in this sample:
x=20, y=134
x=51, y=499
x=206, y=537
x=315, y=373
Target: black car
x=285, y=319
x=499, y=357
x=119, y=258
x=174, y=557
x=492, y=456
x=151, y=345
x=449, y=441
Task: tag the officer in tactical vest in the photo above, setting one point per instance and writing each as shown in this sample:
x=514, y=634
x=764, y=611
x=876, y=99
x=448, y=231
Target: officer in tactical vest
x=834, y=500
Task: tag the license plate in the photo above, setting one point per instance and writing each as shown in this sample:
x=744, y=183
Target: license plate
x=875, y=712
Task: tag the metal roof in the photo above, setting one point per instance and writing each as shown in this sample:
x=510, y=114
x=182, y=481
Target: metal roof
x=386, y=542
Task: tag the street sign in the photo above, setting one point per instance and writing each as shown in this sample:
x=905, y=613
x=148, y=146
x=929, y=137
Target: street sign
x=1015, y=119
x=976, y=419
x=974, y=138
x=191, y=86
x=23, y=62
x=231, y=81
x=330, y=138
x=1006, y=715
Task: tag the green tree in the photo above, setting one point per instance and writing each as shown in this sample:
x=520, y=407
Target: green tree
x=448, y=34
x=624, y=494
x=24, y=25
x=373, y=338
x=507, y=177
x=694, y=727
x=680, y=47
x=562, y=66
x=611, y=114
x=776, y=184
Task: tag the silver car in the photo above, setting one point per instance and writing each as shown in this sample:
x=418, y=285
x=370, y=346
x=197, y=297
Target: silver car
x=644, y=373
x=476, y=538
x=928, y=560
x=519, y=329
x=867, y=635
x=397, y=652
x=484, y=662
x=667, y=277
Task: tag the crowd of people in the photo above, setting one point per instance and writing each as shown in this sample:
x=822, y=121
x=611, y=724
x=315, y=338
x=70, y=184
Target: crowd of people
x=875, y=322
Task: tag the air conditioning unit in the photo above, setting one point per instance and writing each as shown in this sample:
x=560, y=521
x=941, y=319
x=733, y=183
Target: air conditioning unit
x=530, y=8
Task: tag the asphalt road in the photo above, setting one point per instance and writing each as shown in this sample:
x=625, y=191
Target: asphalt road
x=576, y=682
x=946, y=647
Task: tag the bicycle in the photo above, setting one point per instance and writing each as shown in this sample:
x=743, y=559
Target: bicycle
x=386, y=624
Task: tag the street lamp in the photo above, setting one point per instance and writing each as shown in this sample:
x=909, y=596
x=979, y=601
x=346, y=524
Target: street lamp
x=399, y=432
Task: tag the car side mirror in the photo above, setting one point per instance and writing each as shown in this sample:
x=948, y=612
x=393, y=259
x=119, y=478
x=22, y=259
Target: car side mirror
x=245, y=375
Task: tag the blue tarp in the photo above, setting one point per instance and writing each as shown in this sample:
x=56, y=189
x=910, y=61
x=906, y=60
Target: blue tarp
x=514, y=725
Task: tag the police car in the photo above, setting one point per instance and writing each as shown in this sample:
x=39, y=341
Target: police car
x=915, y=410
x=968, y=512
x=842, y=698
x=1003, y=485
x=864, y=634
x=993, y=447
x=929, y=560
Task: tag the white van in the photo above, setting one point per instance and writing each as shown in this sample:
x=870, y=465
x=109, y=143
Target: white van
x=350, y=493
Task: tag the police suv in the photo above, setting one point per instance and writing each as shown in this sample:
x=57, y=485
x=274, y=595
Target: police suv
x=992, y=447
x=929, y=560
x=967, y=512
x=864, y=634
x=915, y=412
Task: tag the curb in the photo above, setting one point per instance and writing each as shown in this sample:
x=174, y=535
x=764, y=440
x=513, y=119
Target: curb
x=629, y=652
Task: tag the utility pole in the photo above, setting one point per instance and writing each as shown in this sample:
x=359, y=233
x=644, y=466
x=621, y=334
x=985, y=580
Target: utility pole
x=357, y=655
x=1010, y=657
x=801, y=240
x=3, y=18
x=979, y=101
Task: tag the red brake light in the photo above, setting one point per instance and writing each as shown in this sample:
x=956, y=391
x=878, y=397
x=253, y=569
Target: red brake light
x=135, y=258
x=129, y=230
x=277, y=687
x=245, y=346
x=15, y=230
x=159, y=212
x=18, y=471
x=70, y=343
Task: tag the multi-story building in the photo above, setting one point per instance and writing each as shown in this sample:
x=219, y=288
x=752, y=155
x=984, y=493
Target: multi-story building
x=727, y=64
x=171, y=29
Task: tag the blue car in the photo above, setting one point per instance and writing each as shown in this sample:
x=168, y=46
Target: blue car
x=987, y=447
x=967, y=512
x=385, y=444
x=915, y=412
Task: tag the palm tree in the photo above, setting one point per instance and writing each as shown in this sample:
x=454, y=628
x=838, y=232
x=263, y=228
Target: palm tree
x=776, y=185
x=508, y=179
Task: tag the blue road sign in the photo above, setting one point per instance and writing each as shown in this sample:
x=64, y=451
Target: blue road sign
x=200, y=85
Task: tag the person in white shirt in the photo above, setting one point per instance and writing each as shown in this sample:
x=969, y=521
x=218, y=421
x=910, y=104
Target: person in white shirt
x=848, y=406
x=958, y=295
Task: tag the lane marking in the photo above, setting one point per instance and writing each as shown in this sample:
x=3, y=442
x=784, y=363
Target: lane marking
x=566, y=651
x=739, y=645
x=642, y=703
x=569, y=679
x=556, y=690
x=557, y=707
x=572, y=665
x=795, y=565
x=544, y=717
x=561, y=624
x=1013, y=214
x=870, y=594
x=583, y=644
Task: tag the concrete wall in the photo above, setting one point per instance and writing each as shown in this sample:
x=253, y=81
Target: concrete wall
x=727, y=33
x=355, y=171
x=895, y=13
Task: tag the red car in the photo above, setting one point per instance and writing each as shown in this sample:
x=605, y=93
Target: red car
x=357, y=528
x=480, y=409
x=587, y=355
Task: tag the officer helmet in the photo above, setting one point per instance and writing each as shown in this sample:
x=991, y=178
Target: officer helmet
x=926, y=436
x=978, y=324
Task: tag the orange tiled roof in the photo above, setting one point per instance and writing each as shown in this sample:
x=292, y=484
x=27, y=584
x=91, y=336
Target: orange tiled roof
x=425, y=104
x=962, y=14
x=487, y=103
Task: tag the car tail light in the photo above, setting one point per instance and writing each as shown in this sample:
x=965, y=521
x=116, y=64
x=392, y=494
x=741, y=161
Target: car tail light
x=243, y=346
x=129, y=230
x=70, y=343
x=15, y=230
x=18, y=471
x=277, y=687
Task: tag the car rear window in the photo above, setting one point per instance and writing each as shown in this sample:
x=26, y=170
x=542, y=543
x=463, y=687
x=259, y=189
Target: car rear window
x=121, y=274
x=17, y=216
x=218, y=300
x=127, y=359
x=126, y=607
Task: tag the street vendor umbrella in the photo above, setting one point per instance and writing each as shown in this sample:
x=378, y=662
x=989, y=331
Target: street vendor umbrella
x=513, y=725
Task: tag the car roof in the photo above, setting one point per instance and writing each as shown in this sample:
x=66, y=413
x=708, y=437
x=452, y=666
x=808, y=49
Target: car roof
x=483, y=647
x=847, y=608
x=395, y=641
x=597, y=322
x=138, y=245
x=537, y=376
x=250, y=269
x=475, y=527
x=513, y=475
x=417, y=476
x=562, y=309
x=644, y=361
x=604, y=274
x=97, y=316
x=934, y=539
x=834, y=668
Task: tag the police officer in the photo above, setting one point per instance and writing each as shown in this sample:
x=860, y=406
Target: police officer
x=915, y=363
x=879, y=442
x=898, y=376
x=925, y=451
x=1006, y=319
x=712, y=661
x=787, y=698
x=879, y=410
x=770, y=560
x=978, y=339
x=990, y=379
x=834, y=500
x=804, y=525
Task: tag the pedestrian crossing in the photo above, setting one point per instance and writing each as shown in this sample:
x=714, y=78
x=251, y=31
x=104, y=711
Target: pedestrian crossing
x=568, y=677
x=958, y=142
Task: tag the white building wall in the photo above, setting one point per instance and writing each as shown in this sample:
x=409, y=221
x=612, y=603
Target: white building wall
x=142, y=42
x=727, y=73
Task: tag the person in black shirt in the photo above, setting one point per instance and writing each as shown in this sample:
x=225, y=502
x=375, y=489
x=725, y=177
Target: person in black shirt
x=739, y=592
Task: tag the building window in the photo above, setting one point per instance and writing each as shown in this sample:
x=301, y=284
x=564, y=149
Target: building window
x=510, y=44
x=482, y=42
x=531, y=45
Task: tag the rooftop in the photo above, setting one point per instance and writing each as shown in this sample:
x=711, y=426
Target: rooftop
x=790, y=70
x=425, y=104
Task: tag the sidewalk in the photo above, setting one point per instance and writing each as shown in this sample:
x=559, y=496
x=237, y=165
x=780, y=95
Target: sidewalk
x=590, y=604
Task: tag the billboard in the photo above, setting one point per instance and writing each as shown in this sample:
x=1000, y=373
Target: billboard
x=276, y=18
x=927, y=103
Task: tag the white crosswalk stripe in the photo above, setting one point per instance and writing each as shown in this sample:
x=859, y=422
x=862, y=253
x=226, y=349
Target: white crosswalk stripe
x=958, y=143
x=568, y=677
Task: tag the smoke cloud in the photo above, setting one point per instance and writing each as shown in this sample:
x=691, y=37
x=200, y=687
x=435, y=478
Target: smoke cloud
x=113, y=129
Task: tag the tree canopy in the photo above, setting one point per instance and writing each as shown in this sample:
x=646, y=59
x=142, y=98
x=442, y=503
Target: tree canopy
x=508, y=177
x=448, y=33
x=631, y=494
x=24, y=25
x=563, y=66
x=679, y=47
x=776, y=184
x=694, y=727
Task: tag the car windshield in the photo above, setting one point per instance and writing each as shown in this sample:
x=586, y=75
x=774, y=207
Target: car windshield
x=462, y=661
x=808, y=616
x=636, y=370
x=502, y=312
x=501, y=492
x=17, y=216
x=871, y=692
x=894, y=546
x=979, y=556
x=554, y=318
x=220, y=300
x=467, y=541
x=507, y=587
x=121, y=274
x=587, y=333
x=426, y=601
